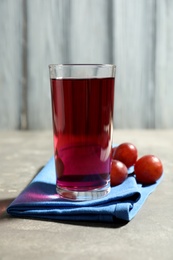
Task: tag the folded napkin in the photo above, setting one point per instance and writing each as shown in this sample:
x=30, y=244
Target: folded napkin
x=39, y=200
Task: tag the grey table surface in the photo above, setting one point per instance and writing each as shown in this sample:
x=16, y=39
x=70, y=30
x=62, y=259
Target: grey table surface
x=148, y=236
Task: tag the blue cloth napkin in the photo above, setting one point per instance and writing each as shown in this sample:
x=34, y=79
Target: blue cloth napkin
x=39, y=200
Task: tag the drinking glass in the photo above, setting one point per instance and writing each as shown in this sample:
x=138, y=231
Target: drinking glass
x=82, y=98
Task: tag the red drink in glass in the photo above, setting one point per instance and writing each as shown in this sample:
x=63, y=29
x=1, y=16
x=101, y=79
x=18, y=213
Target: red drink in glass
x=82, y=111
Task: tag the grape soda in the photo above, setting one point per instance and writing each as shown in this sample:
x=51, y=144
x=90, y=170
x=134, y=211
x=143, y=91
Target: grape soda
x=82, y=111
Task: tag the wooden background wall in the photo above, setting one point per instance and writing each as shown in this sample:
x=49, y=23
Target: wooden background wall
x=136, y=35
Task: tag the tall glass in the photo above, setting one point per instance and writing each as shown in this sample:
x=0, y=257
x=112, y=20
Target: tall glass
x=82, y=111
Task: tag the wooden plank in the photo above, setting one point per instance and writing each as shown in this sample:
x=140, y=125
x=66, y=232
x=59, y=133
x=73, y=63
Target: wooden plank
x=10, y=64
x=91, y=31
x=164, y=65
x=134, y=55
x=47, y=36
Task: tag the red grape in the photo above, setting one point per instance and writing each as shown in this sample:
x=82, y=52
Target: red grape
x=126, y=153
x=148, y=169
x=118, y=172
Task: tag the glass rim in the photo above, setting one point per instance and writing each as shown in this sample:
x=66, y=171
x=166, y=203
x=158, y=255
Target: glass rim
x=99, y=65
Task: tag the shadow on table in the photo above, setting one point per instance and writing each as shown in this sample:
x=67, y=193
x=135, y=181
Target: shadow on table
x=117, y=224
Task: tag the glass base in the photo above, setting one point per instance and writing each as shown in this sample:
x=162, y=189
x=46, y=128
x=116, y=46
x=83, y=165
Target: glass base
x=83, y=195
